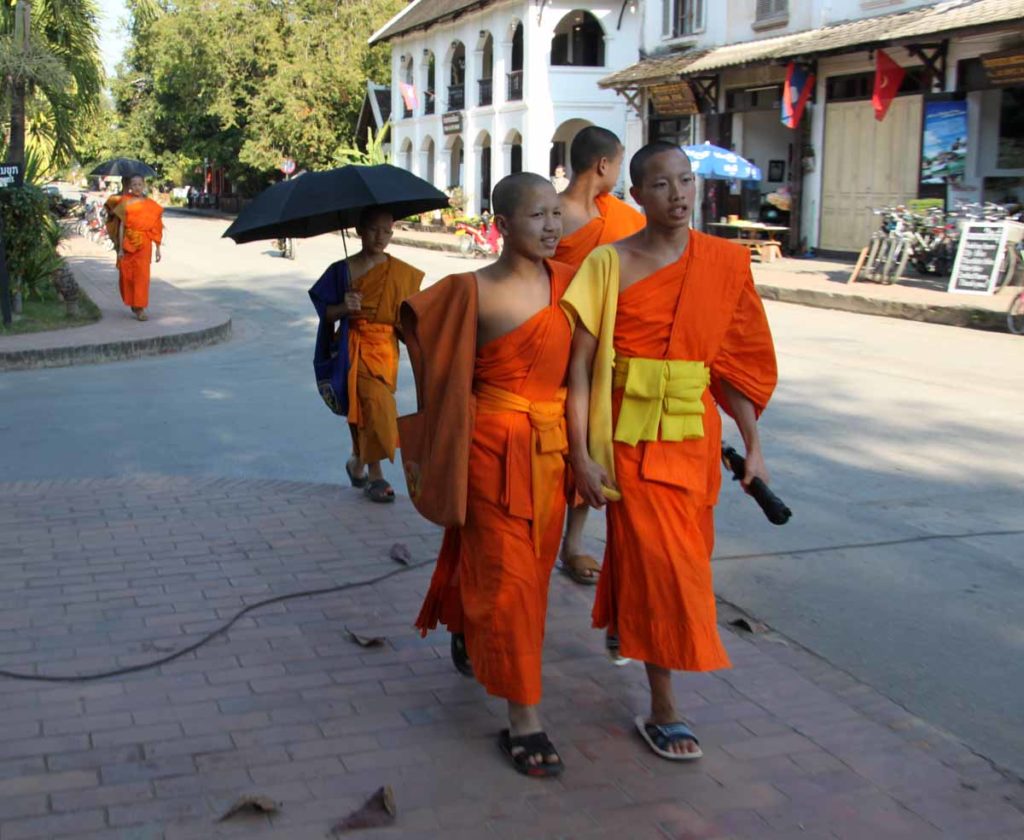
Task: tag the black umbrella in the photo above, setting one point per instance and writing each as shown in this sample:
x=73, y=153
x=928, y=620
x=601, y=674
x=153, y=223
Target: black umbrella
x=124, y=167
x=321, y=202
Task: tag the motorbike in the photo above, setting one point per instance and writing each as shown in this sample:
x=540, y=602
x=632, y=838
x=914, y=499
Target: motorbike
x=483, y=240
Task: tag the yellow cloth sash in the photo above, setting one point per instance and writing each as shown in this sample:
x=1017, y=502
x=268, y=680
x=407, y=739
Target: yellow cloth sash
x=360, y=333
x=548, y=445
x=663, y=395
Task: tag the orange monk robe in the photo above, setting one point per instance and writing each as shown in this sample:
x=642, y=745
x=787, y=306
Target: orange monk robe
x=373, y=357
x=113, y=224
x=616, y=221
x=655, y=590
x=142, y=219
x=491, y=581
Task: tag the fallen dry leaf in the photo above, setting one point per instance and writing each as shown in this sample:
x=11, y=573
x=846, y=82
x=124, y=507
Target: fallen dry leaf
x=379, y=810
x=749, y=625
x=250, y=804
x=365, y=641
x=400, y=554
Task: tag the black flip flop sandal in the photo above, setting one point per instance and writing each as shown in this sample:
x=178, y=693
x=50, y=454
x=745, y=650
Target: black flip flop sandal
x=460, y=656
x=520, y=748
x=380, y=491
x=357, y=481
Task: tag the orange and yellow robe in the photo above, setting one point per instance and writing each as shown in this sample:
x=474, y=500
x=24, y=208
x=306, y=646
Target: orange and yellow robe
x=373, y=357
x=616, y=221
x=665, y=345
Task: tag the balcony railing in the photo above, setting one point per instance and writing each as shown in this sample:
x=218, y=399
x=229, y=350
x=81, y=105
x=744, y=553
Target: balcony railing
x=406, y=112
x=486, y=92
x=515, y=85
x=456, y=97
x=428, y=102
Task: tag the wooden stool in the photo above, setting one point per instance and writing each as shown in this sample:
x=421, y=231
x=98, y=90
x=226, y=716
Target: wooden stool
x=769, y=251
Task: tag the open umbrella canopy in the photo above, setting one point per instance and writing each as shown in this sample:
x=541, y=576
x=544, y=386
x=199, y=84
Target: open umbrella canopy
x=715, y=162
x=321, y=202
x=124, y=167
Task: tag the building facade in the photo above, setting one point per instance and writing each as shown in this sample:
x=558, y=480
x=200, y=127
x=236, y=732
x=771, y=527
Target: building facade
x=481, y=90
x=715, y=71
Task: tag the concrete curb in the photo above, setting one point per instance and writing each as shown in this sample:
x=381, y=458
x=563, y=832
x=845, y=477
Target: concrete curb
x=179, y=321
x=114, y=351
x=952, y=316
x=410, y=242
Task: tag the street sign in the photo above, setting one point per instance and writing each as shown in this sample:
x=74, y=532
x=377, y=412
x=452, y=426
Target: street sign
x=980, y=255
x=451, y=123
x=287, y=166
x=11, y=175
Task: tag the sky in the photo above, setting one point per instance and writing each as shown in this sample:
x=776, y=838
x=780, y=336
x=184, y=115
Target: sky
x=112, y=35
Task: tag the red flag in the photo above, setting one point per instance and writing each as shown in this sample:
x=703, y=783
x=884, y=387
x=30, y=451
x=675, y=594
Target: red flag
x=888, y=78
x=408, y=95
x=795, y=93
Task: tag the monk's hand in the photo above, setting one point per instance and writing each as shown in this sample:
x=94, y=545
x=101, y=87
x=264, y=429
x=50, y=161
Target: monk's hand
x=591, y=479
x=353, y=302
x=756, y=467
x=158, y=253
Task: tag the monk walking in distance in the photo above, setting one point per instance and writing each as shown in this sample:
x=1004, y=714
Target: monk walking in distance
x=141, y=229
x=375, y=285
x=668, y=328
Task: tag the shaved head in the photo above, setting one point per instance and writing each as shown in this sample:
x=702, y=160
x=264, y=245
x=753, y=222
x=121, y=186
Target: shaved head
x=509, y=192
x=590, y=145
x=373, y=214
x=638, y=163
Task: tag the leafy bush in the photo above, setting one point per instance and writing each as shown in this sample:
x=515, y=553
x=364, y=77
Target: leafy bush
x=31, y=236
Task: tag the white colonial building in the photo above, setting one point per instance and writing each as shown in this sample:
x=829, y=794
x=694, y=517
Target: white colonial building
x=715, y=69
x=482, y=89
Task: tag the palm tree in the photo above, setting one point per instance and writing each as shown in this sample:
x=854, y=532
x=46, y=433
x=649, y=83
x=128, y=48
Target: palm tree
x=50, y=60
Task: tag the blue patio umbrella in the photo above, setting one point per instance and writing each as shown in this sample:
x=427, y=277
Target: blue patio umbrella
x=715, y=162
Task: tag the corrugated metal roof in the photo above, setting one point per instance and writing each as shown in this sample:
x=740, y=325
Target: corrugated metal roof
x=421, y=14
x=876, y=31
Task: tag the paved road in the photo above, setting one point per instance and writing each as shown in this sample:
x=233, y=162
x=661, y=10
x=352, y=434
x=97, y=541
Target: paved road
x=881, y=430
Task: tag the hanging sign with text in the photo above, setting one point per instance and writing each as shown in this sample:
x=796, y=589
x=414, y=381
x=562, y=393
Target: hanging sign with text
x=979, y=258
x=451, y=123
x=11, y=175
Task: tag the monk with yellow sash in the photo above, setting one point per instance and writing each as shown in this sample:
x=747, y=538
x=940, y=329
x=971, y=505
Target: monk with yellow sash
x=668, y=326
x=377, y=283
x=591, y=217
x=141, y=229
x=494, y=347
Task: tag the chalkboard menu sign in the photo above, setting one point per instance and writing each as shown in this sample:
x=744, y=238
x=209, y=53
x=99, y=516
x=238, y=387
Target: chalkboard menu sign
x=979, y=258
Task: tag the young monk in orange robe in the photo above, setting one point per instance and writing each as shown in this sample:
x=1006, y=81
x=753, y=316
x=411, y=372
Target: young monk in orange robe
x=668, y=324
x=591, y=216
x=491, y=581
x=377, y=285
x=141, y=229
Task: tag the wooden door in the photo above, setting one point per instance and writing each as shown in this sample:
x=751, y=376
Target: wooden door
x=867, y=164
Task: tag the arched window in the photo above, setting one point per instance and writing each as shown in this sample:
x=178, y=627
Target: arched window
x=515, y=76
x=485, y=89
x=457, y=76
x=405, y=161
x=514, y=147
x=578, y=41
x=483, y=150
x=408, y=77
x=428, y=159
x=429, y=82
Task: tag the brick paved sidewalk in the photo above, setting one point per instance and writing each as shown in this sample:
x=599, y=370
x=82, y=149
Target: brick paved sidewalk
x=115, y=572
x=822, y=283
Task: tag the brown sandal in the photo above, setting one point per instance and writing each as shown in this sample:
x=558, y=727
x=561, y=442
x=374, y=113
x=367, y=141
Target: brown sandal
x=582, y=568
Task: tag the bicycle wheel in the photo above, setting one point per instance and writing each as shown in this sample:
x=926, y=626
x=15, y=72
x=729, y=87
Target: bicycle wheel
x=1015, y=314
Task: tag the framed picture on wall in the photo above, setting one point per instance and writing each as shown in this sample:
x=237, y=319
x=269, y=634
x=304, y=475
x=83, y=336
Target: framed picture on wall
x=777, y=170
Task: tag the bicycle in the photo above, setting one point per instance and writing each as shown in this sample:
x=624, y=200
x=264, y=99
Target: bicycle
x=1015, y=314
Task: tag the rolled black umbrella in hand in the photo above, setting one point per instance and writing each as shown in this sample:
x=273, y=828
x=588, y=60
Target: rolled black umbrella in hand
x=774, y=508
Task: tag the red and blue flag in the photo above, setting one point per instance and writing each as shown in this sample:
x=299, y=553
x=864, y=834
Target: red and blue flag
x=795, y=94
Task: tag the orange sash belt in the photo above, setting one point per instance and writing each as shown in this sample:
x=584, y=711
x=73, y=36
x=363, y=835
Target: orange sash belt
x=360, y=333
x=548, y=445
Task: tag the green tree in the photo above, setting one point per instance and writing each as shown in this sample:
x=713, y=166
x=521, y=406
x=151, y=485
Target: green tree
x=244, y=83
x=50, y=60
